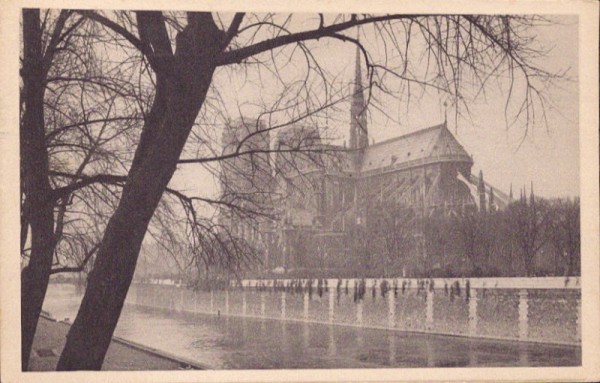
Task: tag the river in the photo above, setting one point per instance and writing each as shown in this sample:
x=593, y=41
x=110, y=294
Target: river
x=228, y=342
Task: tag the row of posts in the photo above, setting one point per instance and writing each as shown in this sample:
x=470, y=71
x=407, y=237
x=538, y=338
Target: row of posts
x=523, y=310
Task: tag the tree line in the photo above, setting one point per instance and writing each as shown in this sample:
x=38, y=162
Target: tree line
x=530, y=237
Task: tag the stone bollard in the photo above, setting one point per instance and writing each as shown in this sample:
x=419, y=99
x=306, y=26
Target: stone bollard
x=263, y=303
x=195, y=301
x=523, y=315
x=473, y=313
x=306, y=304
x=391, y=310
x=212, y=301
x=429, y=309
x=283, y=296
x=331, y=305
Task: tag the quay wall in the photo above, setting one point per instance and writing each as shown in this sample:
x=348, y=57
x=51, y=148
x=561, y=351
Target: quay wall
x=546, y=310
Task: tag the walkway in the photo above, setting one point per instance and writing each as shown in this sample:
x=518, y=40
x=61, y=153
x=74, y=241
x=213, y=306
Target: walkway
x=122, y=355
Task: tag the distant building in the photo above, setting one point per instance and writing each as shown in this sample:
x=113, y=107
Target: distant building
x=321, y=197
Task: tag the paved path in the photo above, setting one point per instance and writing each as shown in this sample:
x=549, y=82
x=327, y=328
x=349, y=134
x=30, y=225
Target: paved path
x=50, y=339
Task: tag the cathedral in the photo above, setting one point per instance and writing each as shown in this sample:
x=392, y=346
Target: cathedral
x=320, y=202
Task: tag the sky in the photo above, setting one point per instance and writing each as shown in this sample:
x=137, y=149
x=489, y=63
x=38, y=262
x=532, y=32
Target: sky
x=547, y=156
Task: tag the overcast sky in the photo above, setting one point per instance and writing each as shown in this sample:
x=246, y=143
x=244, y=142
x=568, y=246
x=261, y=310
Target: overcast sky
x=548, y=156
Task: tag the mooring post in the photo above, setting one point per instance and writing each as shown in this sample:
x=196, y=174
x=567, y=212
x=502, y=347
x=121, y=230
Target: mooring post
x=523, y=315
x=212, y=301
x=473, y=312
x=263, y=304
x=195, y=301
x=283, y=297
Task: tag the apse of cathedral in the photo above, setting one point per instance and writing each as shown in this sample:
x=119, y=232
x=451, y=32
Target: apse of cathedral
x=316, y=196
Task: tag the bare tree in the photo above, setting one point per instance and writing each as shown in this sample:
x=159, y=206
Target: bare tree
x=528, y=228
x=37, y=211
x=563, y=232
x=78, y=115
x=183, y=52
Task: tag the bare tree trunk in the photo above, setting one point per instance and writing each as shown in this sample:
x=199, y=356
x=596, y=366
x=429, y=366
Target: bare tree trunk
x=529, y=258
x=178, y=100
x=113, y=270
x=39, y=213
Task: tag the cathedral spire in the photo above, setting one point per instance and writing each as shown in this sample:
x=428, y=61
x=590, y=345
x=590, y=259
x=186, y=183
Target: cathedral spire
x=359, y=137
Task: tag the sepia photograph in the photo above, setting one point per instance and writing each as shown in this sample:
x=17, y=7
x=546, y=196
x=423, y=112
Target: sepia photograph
x=269, y=192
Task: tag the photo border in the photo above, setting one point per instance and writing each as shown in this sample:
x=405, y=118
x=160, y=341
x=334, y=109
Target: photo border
x=589, y=194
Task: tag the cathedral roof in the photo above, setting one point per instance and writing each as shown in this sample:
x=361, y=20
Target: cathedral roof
x=433, y=144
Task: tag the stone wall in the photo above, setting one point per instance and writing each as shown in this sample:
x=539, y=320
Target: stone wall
x=524, y=309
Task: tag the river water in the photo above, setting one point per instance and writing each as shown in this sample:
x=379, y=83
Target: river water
x=250, y=343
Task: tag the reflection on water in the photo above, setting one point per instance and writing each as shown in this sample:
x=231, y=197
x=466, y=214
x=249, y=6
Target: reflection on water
x=523, y=356
x=392, y=350
x=430, y=351
x=247, y=343
x=331, y=348
x=306, y=336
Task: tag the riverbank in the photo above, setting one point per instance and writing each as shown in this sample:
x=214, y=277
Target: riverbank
x=228, y=342
x=122, y=355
